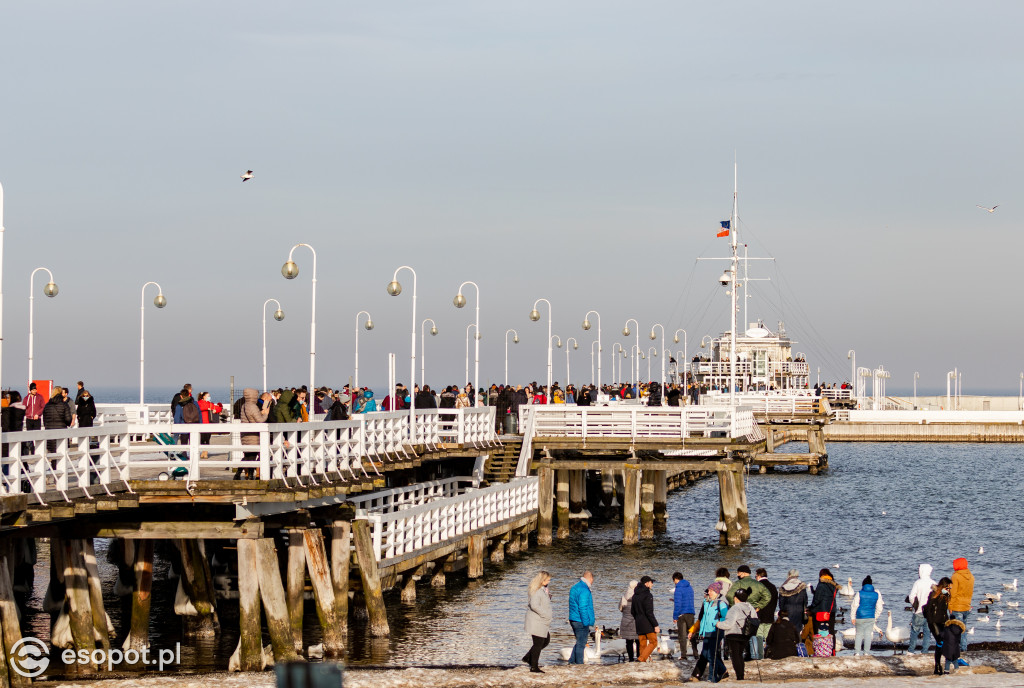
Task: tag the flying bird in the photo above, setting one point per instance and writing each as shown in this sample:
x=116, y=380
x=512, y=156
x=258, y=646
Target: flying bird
x=991, y=210
x=248, y=175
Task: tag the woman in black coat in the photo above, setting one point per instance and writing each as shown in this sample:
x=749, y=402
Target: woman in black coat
x=85, y=409
x=936, y=613
x=824, y=602
x=782, y=638
x=56, y=416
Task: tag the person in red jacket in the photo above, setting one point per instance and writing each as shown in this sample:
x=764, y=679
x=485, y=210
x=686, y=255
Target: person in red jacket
x=209, y=412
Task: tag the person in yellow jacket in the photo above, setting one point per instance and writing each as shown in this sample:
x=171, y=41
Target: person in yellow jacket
x=960, y=595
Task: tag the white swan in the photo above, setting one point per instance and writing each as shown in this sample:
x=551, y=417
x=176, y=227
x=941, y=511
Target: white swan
x=999, y=612
x=666, y=647
x=984, y=619
x=1013, y=605
x=1010, y=586
x=847, y=590
x=590, y=654
x=896, y=635
x=971, y=632
x=981, y=550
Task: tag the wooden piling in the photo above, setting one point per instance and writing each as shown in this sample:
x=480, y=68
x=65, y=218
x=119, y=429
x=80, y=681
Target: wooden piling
x=409, y=585
x=438, y=579
x=197, y=582
x=578, y=501
x=733, y=505
x=251, y=641
x=82, y=630
x=323, y=591
x=647, y=505
x=11, y=627
x=545, y=499
x=607, y=488
x=367, y=560
x=99, y=613
x=630, y=507
x=275, y=605
x=562, y=499
x=341, y=559
x=475, y=556
x=138, y=636
x=296, y=584
x=619, y=480
x=512, y=547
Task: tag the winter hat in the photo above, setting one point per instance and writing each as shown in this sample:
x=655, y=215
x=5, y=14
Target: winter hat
x=716, y=587
x=959, y=564
x=794, y=573
x=867, y=580
x=743, y=568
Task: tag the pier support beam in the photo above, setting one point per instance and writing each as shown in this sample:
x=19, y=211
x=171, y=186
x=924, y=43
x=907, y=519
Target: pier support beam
x=512, y=547
x=562, y=507
x=409, y=585
x=660, y=501
x=545, y=501
x=138, y=636
x=275, y=605
x=647, y=505
x=607, y=488
x=497, y=554
x=99, y=613
x=323, y=591
x=197, y=582
x=475, y=556
x=82, y=630
x=578, y=516
x=438, y=579
x=341, y=560
x=631, y=507
x=378, y=617
x=251, y=638
x=296, y=584
x=734, y=523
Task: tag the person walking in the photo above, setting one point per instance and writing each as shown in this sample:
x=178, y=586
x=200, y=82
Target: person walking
x=917, y=599
x=647, y=628
x=936, y=611
x=960, y=594
x=627, y=626
x=581, y=614
x=866, y=607
x=793, y=600
x=732, y=627
x=683, y=611
x=713, y=610
x=538, y=619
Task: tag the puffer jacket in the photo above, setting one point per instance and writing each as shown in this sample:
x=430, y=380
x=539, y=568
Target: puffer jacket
x=56, y=414
x=581, y=603
x=824, y=599
x=759, y=595
x=793, y=601
x=251, y=413
x=962, y=590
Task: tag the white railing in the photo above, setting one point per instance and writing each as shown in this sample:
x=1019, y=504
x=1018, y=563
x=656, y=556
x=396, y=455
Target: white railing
x=400, y=498
x=638, y=422
x=771, y=369
x=835, y=394
x=770, y=403
x=136, y=413
x=924, y=417
x=43, y=460
x=399, y=534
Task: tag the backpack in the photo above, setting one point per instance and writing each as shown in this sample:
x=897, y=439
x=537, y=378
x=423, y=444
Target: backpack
x=190, y=412
x=750, y=626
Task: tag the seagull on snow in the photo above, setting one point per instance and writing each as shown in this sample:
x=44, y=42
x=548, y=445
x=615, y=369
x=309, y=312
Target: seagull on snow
x=991, y=210
x=248, y=175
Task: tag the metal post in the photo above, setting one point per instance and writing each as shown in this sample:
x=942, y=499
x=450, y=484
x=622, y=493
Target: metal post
x=31, y=312
x=1, y=276
x=535, y=316
x=159, y=302
x=586, y=326
x=278, y=312
x=423, y=348
x=515, y=340
x=369, y=326
x=394, y=288
x=290, y=271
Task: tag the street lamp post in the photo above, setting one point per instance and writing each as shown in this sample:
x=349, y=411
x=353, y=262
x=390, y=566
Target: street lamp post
x=618, y=378
x=50, y=290
x=593, y=346
x=460, y=302
x=575, y=346
x=394, y=288
x=916, y=377
x=636, y=357
x=515, y=340
x=278, y=316
x=423, y=348
x=368, y=326
x=653, y=336
x=686, y=361
x=468, y=328
x=290, y=271
x=1, y=276
x=651, y=352
x=160, y=301
x=586, y=326
x=535, y=316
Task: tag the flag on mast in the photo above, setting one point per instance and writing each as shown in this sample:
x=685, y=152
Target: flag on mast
x=725, y=229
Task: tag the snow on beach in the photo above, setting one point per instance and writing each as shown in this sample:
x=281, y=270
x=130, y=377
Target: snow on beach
x=988, y=668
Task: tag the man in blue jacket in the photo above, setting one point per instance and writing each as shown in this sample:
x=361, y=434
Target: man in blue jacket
x=682, y=610
x=581, y=614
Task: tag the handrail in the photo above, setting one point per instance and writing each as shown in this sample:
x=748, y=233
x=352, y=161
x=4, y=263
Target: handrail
x=635, y=421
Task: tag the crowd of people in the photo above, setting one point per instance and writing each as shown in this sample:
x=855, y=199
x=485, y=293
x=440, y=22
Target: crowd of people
x=749, y=617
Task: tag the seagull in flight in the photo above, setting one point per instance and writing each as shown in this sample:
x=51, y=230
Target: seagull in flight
x=248, y=175
x=991, y=210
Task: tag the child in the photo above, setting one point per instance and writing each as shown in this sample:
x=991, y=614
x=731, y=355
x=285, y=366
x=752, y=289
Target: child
x=951, y=633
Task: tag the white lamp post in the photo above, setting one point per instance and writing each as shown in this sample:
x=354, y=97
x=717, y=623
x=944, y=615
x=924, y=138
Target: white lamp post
x=423, y=348
x=290, y=271
x=916, y=377
x=50, y=290
x=653, y=351
x=1020, y=394
x=685, y=360
x=575, y=346
x=618, y=378
x=159, y=302
x=586, y=326
x=394, y=288
x=535, y=316
x=636, y=356
x=278, y=316
x=515, y=340
x=368, y=326
x=460, y=302
x=468, y=328
x=653, y=336
x=1, y=275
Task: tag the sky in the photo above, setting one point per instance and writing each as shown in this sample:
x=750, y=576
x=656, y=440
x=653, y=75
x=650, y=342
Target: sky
x=578, y=151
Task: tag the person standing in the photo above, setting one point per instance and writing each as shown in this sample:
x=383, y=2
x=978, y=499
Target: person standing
x=34, y=404
x=252, y=412
x=732, y=627
x=766, y=614
x=793, y=600
x=85, y=409
x=56, y=416
x=209, y=412
x=713, y=610
x=627, y=626
x=647, y=628
x=683, y=611
x=538, y=619
x=936, y=611
x=757, y=594
x=917, y=599
x=960, y=594
x=823, y=603
x=581, y=614
x=866, y=607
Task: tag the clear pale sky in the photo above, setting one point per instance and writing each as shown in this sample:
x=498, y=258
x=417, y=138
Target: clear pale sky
x=578, y=151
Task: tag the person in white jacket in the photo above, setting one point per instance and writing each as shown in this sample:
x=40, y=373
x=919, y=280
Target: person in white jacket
x=866, y=608
x=917, y=598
